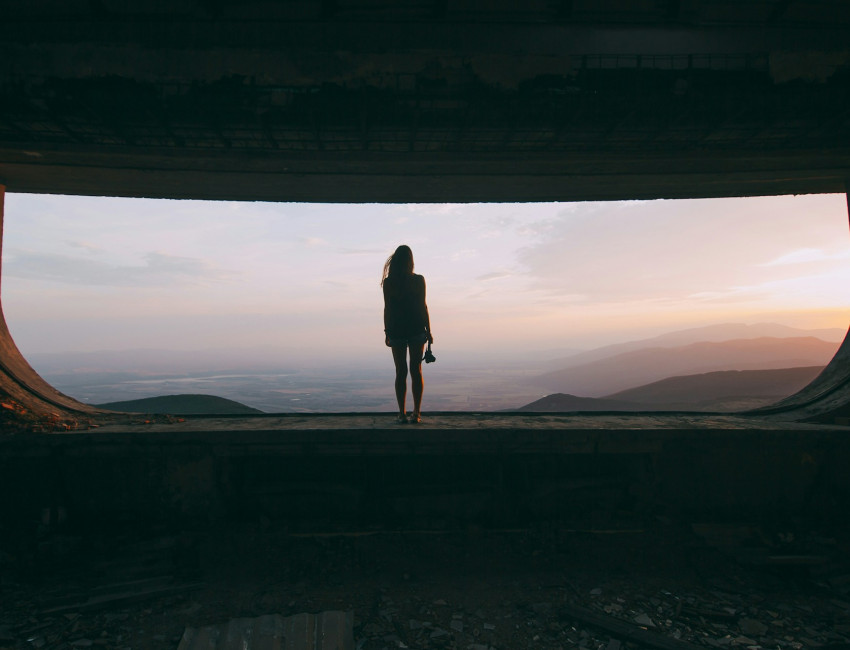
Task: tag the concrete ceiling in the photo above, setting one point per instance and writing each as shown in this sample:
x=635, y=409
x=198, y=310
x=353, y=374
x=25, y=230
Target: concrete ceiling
x=391, y=100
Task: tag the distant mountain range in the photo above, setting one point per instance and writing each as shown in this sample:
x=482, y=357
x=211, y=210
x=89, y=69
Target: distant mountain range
x=727, y=390
x=182, y=405
x=707, y=334
x=621, y=371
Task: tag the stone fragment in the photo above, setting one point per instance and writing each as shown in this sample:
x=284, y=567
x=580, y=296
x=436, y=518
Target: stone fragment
x=415, y=625
x=613, y=644
x=456, y=625
x=438, y=632
x=750, y=626
x=743, y=640
x=643, y=619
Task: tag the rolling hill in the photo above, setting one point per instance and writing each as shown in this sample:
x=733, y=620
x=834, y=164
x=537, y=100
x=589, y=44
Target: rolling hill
x=638, y=367
x=725, y=390
x=721, y=390
x=182, y=405
x=562, y=403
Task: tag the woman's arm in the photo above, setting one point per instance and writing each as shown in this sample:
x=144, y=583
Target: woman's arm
x=386, y=317
x=426, y=318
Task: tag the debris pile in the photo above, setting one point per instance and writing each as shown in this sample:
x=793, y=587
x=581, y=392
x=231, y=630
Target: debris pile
x=655, y=587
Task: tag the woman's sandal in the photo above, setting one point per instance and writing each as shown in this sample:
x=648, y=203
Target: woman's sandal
x=401, y=418
x=415, y=418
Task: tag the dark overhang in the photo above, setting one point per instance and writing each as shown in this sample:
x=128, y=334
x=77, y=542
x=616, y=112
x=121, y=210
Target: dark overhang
x=422, y=101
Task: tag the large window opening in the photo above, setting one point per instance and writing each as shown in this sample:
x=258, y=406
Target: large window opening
x=278, y=305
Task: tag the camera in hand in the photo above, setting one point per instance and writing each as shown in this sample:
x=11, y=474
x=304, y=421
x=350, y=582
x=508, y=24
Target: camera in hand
x=429, y=357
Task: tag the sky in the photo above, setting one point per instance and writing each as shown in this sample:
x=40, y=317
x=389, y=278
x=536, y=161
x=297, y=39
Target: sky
x=98, y=273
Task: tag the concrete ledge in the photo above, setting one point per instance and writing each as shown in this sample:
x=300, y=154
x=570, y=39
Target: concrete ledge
x=461, y=468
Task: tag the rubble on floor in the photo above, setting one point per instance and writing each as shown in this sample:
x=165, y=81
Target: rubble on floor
x=323, y=631
x=656, y=585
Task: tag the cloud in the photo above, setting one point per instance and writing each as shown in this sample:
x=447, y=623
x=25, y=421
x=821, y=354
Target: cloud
x=464, y=254
x=311, y=242
x=731, y=295
x=804, y=256
x=336, y=284
x=160, y=269
x=433, y=208
x=362, y=251
x=799, y=256
x=495, y=275
x=85, y=246
x=676, y=249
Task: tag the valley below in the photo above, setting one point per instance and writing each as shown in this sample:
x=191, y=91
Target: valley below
x=716, y=368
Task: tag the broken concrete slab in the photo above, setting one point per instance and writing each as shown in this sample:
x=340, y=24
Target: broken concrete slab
x=330, y=630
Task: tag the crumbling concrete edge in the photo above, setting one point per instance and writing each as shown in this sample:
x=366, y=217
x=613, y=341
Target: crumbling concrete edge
x=22, y=390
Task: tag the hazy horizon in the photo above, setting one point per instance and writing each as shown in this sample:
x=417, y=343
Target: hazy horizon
x=504, y=280
x=275, y=385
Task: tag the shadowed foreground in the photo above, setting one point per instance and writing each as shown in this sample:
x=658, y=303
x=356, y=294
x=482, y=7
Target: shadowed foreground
x=470, y=531
x=595, y=582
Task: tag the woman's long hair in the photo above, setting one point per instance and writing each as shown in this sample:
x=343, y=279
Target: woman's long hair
x=399, y=263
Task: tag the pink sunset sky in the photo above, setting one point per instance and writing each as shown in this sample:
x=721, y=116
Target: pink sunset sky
x=84, y=274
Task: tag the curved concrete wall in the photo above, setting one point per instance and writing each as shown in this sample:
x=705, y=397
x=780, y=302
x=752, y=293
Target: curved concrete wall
x=18, y=381
x=828, y=394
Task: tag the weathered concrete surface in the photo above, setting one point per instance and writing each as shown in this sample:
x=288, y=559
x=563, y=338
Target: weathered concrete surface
x=828, y=396
x=355, y=101
x=459, y=467
x=22, y=390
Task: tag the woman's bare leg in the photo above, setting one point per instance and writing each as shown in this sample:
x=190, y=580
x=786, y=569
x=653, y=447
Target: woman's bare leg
x=416, y=381
x=400, y=376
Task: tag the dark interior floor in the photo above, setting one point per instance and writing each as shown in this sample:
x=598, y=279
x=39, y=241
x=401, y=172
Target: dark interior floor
x=614, y=582
x=474, y=531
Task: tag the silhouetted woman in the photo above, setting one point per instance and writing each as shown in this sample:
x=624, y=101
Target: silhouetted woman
x=406, y=325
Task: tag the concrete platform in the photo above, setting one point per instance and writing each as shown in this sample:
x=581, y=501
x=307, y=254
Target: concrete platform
x=356, y=469
x=455, y=421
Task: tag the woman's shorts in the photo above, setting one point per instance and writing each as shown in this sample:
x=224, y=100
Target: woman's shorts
x=416, y=339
